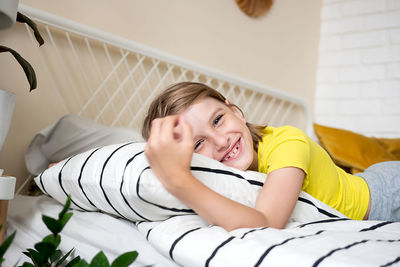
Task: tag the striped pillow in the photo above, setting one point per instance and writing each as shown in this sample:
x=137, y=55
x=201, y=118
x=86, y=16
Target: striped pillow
x=117, y=179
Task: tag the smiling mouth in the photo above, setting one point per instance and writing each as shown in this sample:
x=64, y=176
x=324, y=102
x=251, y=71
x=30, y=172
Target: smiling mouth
x=233, y=153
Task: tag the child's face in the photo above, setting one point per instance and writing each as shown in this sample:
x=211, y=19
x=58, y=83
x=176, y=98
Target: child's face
x=220, y=132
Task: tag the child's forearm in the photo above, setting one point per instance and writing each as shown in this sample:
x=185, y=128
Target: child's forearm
x=215, y=208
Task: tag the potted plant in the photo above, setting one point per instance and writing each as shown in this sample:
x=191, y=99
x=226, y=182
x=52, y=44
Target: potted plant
x=8, y=16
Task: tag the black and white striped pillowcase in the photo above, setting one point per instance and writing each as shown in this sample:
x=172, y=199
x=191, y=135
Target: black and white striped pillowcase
x=117, y=179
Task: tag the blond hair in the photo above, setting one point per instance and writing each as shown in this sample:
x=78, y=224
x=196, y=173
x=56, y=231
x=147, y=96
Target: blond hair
x=179, y=97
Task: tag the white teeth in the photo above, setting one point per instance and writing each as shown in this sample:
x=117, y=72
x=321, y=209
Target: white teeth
x=233, y=152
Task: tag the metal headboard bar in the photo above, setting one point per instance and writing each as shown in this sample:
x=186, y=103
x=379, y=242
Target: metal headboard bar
x=106, y=38
x=51, y=80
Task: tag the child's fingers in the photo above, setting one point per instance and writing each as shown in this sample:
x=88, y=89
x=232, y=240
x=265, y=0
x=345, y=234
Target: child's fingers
x=187, y=132
x=168, y=129
x=186, y=128
x=154, y=130
x=162, y=129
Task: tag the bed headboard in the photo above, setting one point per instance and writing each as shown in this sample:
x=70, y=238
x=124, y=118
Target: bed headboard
x=112, y=80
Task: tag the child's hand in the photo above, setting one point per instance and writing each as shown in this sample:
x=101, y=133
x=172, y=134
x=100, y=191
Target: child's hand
x=169, y=150
x=52, y=164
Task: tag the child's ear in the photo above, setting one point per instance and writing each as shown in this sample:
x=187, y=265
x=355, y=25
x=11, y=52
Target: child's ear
x=235, y=110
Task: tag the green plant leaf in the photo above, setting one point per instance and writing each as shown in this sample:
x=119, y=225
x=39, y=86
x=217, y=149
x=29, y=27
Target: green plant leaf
x=75, y=261
x=57, y=254
x=52, y=224
x=53, y=239
x=24, y=19
x=28, y=69
x=100, y=260
x=45, y=249
x=6, y=244
x=65, y=219
x=81, y=263
x=27, y=264
x=64, y=258
x=65, y=208
x=125, y=259
x=36, y=258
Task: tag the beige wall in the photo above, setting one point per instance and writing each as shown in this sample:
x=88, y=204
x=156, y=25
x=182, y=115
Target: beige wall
x=278, y=49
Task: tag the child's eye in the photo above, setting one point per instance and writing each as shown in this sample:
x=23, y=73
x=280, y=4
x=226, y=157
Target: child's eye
x=217, y=120
x=198, y=144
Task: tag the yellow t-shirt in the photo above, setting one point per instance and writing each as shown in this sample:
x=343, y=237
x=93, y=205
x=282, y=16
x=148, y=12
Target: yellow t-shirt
x=288, y=146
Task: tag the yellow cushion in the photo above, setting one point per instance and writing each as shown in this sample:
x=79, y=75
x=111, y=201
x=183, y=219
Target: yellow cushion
x=392, y=145
x=354, y=151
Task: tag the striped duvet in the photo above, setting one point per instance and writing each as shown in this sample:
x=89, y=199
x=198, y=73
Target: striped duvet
x=117, y=180
x=330, y=242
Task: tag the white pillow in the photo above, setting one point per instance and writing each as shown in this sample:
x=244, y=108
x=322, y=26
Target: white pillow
x=70, y=135
x=117, y=179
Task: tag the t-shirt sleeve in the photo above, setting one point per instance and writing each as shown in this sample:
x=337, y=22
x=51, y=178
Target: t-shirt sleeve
x=289, y=148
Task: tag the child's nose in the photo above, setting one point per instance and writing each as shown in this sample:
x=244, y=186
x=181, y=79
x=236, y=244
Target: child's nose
x=221, y=142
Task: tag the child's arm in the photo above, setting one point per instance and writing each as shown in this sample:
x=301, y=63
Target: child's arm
x=169, y=151
x=274, y=205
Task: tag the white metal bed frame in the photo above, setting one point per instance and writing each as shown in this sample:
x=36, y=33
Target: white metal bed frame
x=112, y=80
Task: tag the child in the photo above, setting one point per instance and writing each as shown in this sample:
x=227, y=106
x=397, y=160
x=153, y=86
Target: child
x=192, y=118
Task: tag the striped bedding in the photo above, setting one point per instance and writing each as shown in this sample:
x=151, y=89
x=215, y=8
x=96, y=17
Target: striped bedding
x=117, y=180
x=330, y=242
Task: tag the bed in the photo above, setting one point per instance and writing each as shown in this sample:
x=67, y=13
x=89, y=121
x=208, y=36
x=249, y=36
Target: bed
x=104, y=85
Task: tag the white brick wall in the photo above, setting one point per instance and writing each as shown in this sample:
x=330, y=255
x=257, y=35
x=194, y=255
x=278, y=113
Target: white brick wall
x=358, y=80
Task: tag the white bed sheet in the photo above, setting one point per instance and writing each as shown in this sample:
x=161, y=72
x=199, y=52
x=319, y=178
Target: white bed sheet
x=87, y=232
